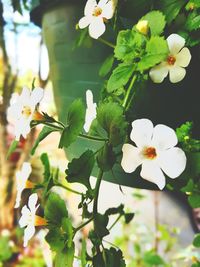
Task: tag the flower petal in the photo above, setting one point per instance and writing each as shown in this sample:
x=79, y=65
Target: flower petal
x=28, y=233
x=102, y=3
x=159, y=72
x=131, y=158
x=176, y=74
x=37, y=95
x=164, y=137
x=23, y=221
x=183, y=58
x=32, y=202
x=172, y=162
x=89, y=7
x=108, y=10
x=175, y=43
x=25, y=95
x=141, y=133
x=84, y=22
x=22, y=127
x=152, y=173
x=97, y=27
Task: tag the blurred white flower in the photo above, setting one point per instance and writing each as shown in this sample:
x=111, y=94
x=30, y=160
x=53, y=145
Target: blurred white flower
x=90, y=111
x=22, y=181
x=179, y=57
x=96, y=15
x=29, y=219
x=46, y=251
x=22, y=109
x=155, y=150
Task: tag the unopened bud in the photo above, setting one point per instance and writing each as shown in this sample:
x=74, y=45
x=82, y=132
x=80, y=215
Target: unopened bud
x=143, y=26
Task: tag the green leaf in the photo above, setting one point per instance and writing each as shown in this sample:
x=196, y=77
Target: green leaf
x=55, y=239
x=129, y=45
x=171, y=8
x=79, y=169
x=75, y=122
x=12, y=148
x=68, y=231
x=128, y=217
x=106, y=158
x=152, y=258
x=196, y=241
x=194, y=200
x=5, y=249
x=184, y=131
x=42, y=135
x=106, y=66
x=192, y=5
x=193, y=21
x=65, y=258
x=46, y=164
x=101, y=222
x=156, y=22
x=111, y=118
x=55, y=210
x=83, y=254
x=156, y=52
x=120, y=76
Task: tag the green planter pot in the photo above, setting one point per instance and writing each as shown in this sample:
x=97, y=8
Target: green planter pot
x=73, y=71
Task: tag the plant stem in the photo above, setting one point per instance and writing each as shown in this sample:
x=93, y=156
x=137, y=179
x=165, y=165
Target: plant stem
x=68, y=189
x=96, y=192
x=117, y=219
x=51, y=125
x=106, y=42
x=82, y=225
x=92, y=138
x=129, y=91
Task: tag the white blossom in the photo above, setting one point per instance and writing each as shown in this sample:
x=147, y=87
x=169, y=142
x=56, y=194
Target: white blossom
x=179, y=57
x=22, y=181
x=90, y=111
x=29, y=219
x=155, y=150
x=95, y=16
x=22, y=108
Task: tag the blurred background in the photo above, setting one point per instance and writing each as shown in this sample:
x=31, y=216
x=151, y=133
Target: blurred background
x=161, y=221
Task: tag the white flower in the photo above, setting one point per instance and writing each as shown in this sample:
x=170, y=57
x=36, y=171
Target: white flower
x=155, y=150
x=178, y=58
x=29, y=219
x=90, y=111
x=22, y=181
x=22, y=108
x=96, y=15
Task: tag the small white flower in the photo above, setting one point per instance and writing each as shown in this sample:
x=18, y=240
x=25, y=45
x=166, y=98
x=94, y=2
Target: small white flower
x=22, y=181
x=155, y=150
x=29, y=219
x=90, y=111
x=22, y=108
x=178, y=58
x=96, y=15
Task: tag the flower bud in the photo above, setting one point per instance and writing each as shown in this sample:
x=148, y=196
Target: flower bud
x=143, y=26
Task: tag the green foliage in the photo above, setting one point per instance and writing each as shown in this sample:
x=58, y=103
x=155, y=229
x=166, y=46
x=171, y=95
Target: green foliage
x=106, y=66
x=12, y=148
x=194, y=200
x=106, y=158
x=55, y=210
x=110, y=116
x=101, y=222
x=156, y=21
x=155, y=52
x=5, y=249
x=153, y=259
x=196, y=241
x=110, y=258
x=193, y=21
x=129, y=45
x=65, y=258
x=79, y=169
x=75, y=122
x=171, y=8
x=42, y=135
x=120, y=76
x=83, y=254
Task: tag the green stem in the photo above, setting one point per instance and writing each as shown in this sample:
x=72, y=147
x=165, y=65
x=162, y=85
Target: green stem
x=96, y=192
x=129, y=91
x=68, y=189
x=92, y=138
x=82, y=225
x=51, y=125
x=106, y=42
x=114, y=223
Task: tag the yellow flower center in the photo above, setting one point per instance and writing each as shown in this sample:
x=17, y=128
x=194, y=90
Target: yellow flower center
x=150, y=152
x=26, y=111
x=171, y=60
x=40, y=221
x=29, y=184
x=97, y=12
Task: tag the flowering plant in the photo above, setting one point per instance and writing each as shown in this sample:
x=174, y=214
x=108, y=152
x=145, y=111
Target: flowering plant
x=157, y=44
